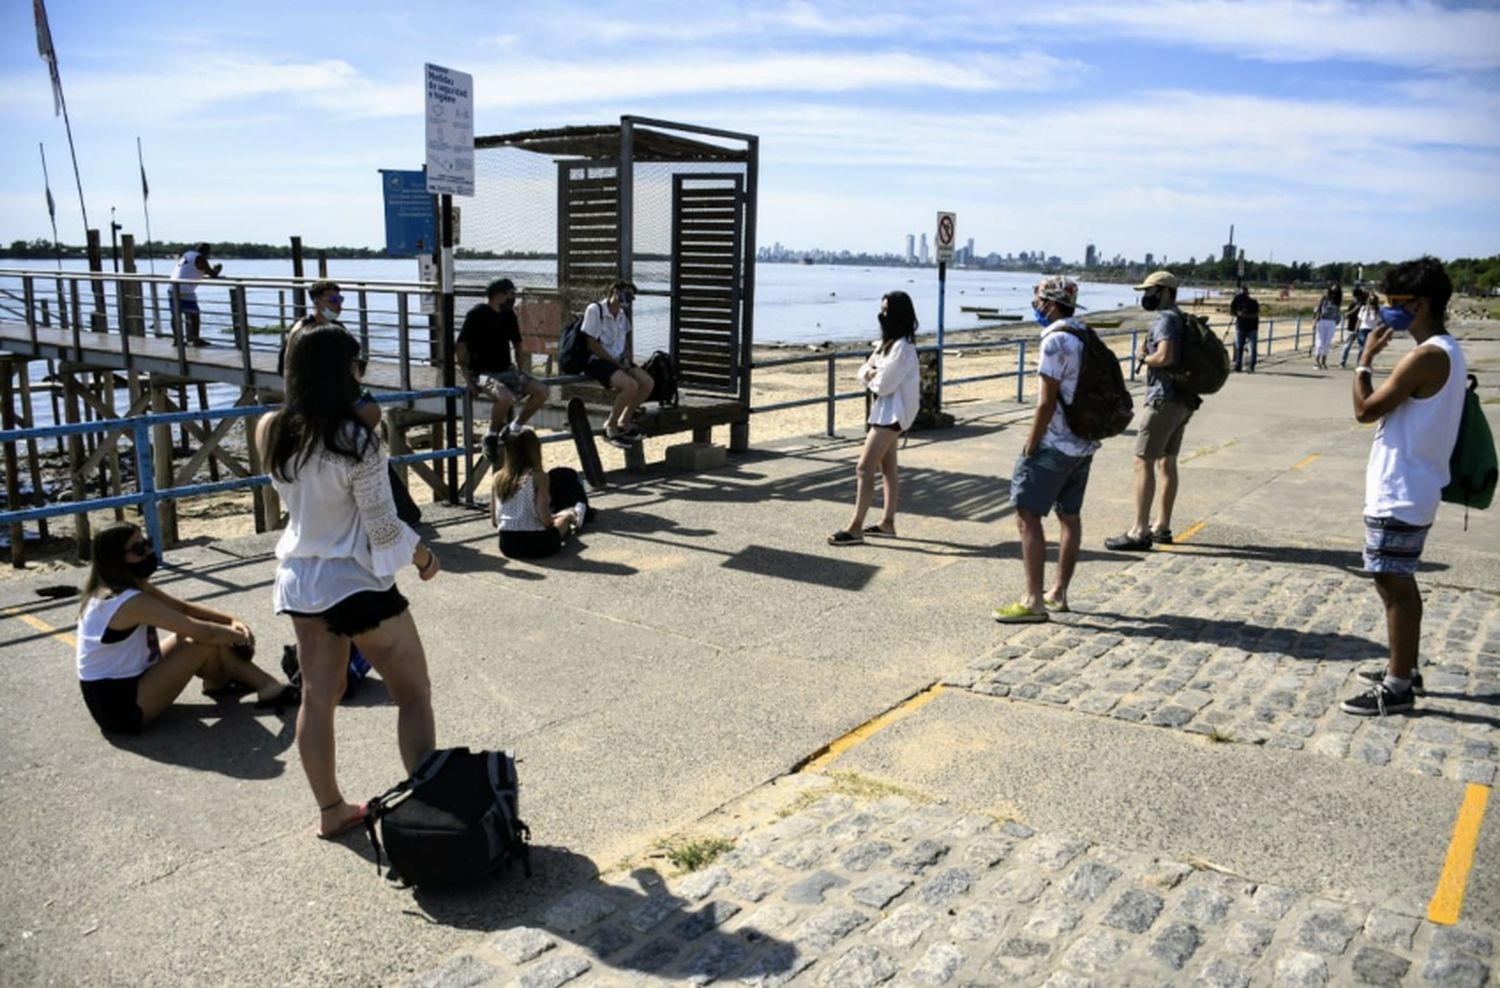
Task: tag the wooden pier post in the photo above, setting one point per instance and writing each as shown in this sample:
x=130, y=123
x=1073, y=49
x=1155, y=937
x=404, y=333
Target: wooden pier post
x=28, y=421
x=12, y=468
x=161, y=444
x=258, y=502
x=75, y=464
x=322, y=264
x=299, y=295
x=99, y=318
x=117, y=482
x=133, y=311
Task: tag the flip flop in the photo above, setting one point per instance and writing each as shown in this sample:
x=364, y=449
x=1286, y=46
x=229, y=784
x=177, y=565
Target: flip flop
x=358, y=820
x=1056, y=606
x=1019, y=613
x=879, y=532
x=845, y=537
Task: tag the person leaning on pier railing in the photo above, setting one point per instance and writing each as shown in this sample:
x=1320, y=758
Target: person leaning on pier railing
x=192, y=267
x=338, y=559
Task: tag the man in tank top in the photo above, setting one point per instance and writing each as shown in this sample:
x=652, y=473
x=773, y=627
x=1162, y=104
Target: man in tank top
x=192, y=267
x=1418, y=407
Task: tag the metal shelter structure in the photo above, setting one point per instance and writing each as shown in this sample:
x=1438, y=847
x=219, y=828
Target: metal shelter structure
x=670, y=206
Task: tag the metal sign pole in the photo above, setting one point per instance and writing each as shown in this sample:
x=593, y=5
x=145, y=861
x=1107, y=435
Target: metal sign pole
x=450, y=372
x=942, y=291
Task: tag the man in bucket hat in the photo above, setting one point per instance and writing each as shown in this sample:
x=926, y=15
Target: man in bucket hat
x=1168, y=408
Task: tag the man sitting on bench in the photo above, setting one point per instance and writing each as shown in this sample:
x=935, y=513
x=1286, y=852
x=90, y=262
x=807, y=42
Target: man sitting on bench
x=606, y=327
x=483, y=352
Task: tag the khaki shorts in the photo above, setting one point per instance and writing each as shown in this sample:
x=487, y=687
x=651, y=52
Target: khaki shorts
x=1161, y=430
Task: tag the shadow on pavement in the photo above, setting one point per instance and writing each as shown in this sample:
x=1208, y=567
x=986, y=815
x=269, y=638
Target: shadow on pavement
x=230, y=739
x=1315, y=645
x=1348, y=560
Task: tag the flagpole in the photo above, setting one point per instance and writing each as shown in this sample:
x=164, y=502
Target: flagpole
x=145, y=205
x=48, y=51
x=51, y=206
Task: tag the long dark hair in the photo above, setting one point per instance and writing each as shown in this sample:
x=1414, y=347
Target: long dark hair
x=523, y=451
x=108, y=568
x=898, y=323
x=320, y=394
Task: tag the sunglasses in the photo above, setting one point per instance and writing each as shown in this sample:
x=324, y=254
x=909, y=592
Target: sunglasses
x=334, y=299
x=139, y=549
x=1401, y=299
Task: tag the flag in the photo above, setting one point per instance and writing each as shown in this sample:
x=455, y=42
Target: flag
x=145, y=189
x=51, y=206
x=44, y=49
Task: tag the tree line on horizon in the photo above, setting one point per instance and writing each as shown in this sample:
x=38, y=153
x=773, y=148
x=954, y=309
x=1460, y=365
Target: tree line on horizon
x=42, y=249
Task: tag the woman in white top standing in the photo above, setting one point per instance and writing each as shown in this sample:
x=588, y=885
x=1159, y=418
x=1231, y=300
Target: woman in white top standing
x=129, y=675
x=893, y=375
x=339, y=556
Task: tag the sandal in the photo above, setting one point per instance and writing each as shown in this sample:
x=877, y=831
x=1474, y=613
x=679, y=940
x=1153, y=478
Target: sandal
x=879, y=532
x=357, y=820
x=1019, y=613
x=1128, y=543
x=845, y=537
x=289, y=696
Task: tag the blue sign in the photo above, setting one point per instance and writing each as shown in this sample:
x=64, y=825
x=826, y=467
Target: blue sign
x=410, y=214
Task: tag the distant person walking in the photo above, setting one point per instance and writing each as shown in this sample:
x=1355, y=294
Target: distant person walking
x=129, y=674
x=1326, y=323
x=534, y=508
x=1168, y=409
x=1419, y=407
x=338, y=559
x=192, y=267
x=1366, y=321
x=483, y=352
x=1053, y=469
x=892, y=374
x=1245, y=309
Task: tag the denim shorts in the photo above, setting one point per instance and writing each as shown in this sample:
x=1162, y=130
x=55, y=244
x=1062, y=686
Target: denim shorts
x=1047, y=478
x=1393, y=546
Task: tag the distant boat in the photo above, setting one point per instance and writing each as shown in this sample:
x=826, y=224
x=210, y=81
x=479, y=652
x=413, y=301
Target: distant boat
x=808, y=260
x=981, y=309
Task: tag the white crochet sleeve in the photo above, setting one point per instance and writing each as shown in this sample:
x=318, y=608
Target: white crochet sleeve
x=392, y=541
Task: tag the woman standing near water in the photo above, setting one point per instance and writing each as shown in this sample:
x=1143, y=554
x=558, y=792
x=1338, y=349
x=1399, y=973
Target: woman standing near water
x=1323, y=329
x=893, y=376
x=339, y=556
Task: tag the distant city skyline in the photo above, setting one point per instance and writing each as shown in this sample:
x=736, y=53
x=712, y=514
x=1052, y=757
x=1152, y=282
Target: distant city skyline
x=1330, y=129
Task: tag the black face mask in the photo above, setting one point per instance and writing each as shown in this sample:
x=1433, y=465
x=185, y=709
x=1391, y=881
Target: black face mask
x=1151, y=301
x=142, y=568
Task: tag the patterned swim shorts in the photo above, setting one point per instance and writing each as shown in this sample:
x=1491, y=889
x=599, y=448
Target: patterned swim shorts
x=1393, y=546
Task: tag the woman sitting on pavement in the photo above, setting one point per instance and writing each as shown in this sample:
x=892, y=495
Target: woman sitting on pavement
x=893, y=375
x=534, y=508
x=130, y=675
x=339, y=556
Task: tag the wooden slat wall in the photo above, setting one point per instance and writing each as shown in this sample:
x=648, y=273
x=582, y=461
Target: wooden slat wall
x=706, y=270
x=588, y=231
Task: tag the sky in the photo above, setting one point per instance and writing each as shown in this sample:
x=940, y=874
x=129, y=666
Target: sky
x=1323, y=130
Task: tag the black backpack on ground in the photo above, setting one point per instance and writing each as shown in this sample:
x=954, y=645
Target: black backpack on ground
x=659, y=365
x=573, y=346
x=456, y=819
x=1203, y=366
x=1101, y=407
x=359, y=668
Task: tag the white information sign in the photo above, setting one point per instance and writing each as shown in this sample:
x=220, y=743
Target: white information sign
x=947, y=233
x=450, y=131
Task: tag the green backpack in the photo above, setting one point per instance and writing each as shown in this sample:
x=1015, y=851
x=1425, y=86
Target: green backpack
x=1472, y=469
x=1204, y=365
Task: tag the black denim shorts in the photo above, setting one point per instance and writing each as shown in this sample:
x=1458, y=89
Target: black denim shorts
x=362, y=612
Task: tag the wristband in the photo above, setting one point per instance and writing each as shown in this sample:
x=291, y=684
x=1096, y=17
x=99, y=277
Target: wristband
x=1362, y=369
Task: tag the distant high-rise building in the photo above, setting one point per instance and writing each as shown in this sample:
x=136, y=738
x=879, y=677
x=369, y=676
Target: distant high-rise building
x=1090, y=257
x=911, y=251
x=1229, y=251
x=970, y=248
x=1150, y=259
x=924, y=248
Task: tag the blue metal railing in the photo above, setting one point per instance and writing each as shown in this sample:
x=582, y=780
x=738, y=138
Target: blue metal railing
x=147, y=495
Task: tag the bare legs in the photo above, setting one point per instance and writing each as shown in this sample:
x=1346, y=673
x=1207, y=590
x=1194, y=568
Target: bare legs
x=1403, y=621
x=879, y=455
x=632, y=387
x=181, y=660
x=394, y=649
x=1146, y=471
x=1034, y=556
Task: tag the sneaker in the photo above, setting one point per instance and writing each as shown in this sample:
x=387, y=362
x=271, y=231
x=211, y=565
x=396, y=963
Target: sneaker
x=580, y=512
x=492, y=448
x=1128, y=543
x=1378, y=701
x=633, y=435
x=1019, y=613
x=516, y=428
x=619, y=440
x=1377, y=676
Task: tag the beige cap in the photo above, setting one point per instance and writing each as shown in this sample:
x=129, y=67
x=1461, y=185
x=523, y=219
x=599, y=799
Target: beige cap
x=1162, y=279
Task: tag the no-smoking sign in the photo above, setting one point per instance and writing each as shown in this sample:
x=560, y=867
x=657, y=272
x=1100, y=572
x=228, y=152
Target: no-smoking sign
x=947, y=232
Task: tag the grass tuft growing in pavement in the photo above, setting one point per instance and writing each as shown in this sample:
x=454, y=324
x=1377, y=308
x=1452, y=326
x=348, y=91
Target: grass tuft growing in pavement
x=689, y=854
x=854, y=786
x=1220, y=736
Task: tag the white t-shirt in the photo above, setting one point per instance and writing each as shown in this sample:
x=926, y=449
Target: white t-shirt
x=342, y=534
x=1408, y=466
x=610, y=331
x=187, y=272
x=1062, y=359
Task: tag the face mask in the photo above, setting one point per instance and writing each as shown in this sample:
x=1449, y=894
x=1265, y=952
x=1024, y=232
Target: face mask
x=626, y=298
x=143, y=568
x=1396, y=317
x=328, y=313
x=1040, y=317
x=1151, y=301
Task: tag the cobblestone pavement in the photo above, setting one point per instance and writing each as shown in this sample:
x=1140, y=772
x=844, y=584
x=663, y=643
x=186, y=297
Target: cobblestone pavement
x=855, y=892
x=1262, y=653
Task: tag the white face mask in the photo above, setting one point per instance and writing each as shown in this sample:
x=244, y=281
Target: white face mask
x=328, y=314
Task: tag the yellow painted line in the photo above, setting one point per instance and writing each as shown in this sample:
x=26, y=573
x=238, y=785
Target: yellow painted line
x=1448, y=900
x=66, y=637
x=870, y=728
x=1192, y=530
x=1305, y=461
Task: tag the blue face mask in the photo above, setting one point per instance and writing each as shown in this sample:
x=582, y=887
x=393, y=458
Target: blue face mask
x=1396, y=317
x=1040, y=317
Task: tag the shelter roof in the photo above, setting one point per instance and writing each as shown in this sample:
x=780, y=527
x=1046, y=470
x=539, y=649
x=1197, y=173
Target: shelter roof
x=648, y=144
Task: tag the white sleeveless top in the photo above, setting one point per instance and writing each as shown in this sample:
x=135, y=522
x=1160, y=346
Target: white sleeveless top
x=518, y=512
x=1408, y=465
x=187, y=272
x=98, y=659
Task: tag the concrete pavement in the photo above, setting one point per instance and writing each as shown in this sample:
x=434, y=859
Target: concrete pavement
x=702, y=641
